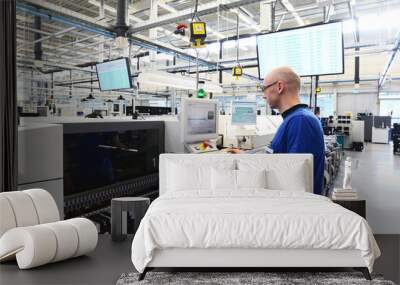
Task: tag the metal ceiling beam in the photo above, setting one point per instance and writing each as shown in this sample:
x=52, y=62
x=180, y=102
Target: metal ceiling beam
x=54, y=14
x=77, y=20
x=202, y=10
x=27, y=28
x=138, y=20
x=173, y=10
x=56, y=64
x=42, y=39
x=389, y=64
x=65, y=12
x=75, y=42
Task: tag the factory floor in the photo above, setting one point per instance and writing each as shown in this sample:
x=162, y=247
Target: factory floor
x=111, y=259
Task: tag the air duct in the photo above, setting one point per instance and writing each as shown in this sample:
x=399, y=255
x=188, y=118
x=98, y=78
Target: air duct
x=121, y=27
x=37, y=36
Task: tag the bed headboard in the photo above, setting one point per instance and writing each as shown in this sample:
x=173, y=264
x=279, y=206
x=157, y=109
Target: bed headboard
x=282, y=162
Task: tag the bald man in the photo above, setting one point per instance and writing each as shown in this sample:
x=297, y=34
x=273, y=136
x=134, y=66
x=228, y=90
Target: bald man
x=300, y=131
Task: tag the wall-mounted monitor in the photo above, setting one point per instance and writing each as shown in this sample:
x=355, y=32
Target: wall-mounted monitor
x=244, y=113
x=199, y=118
x=313, y=50
x=114, y=74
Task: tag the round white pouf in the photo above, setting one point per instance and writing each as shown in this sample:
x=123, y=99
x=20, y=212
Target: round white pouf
x=67, y=240
x=87, y=234
x=6, y=216
x=46, y=207
x=33, y=246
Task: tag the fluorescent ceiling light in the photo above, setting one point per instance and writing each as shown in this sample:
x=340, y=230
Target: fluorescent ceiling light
x=292, y=10
x=249, y=21
x=243, y=43
x=163, y=56
x=374, y=22
x=178, y=81
x=213, y=48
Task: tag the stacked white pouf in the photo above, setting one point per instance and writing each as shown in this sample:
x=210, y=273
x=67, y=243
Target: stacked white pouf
x=31, y=231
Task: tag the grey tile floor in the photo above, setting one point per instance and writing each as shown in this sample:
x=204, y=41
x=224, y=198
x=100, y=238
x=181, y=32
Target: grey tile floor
x=102, y=266
x=376, y=177
x=110, y=260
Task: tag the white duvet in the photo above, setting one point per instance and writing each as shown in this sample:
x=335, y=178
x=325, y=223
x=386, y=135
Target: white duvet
x=250, y=219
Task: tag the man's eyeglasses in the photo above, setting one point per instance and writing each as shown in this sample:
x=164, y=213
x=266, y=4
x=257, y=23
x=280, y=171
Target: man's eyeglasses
x=265, y=87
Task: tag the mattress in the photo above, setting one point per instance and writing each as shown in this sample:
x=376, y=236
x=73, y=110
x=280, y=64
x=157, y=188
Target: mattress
x=251, y=219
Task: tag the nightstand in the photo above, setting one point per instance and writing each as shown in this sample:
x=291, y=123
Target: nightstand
x=119, y=208
x=357, y=206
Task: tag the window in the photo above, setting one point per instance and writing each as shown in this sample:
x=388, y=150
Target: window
x=390, y=107
x=324, y=102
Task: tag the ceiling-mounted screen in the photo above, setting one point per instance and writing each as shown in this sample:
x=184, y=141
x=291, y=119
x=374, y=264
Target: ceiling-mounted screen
x=114, y=75
x=314, y=50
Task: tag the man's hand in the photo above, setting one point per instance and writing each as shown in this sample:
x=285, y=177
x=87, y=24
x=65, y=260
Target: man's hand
x=233, y=150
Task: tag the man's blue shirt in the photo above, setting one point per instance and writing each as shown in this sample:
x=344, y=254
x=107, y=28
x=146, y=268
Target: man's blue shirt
x=301, y=132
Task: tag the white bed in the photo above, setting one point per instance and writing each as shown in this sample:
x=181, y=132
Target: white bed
x=218, y=224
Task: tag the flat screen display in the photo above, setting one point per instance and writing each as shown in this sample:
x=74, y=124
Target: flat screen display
x=314, y=50
x=244, y=113
x=201, y=119
x=114, y=75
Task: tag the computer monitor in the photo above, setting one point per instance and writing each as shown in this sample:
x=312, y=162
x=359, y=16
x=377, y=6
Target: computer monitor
x=244, y=113
x=114, y=74
x=313, y=50
x=199, y=119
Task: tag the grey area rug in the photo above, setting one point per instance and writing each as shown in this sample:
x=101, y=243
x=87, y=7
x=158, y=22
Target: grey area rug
x=269, y=278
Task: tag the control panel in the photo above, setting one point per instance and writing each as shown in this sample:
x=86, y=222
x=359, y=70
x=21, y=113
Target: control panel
x=201, y=147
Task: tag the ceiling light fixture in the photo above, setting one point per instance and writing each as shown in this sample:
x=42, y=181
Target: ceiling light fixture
x=166, y=79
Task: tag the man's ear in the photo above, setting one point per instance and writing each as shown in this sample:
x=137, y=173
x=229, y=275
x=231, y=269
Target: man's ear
x=280, y=87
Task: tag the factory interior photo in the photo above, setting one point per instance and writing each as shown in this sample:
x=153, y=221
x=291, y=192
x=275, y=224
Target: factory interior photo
x=199, y=142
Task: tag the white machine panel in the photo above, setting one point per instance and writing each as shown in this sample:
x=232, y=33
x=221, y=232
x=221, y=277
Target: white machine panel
x=40, y=153
x=380, y=135
x=249, y=137
x=40, y=160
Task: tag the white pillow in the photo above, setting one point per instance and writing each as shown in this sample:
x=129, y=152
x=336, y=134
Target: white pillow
x=282, y=172
x=223, y=179
x=186, y=175
x=294, y=179
x=183, y=177
x=251, y=179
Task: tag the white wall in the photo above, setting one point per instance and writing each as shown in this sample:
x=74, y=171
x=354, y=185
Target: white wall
x=358, y=103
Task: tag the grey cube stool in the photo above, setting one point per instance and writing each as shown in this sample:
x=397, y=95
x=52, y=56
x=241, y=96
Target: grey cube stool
x=119, y=211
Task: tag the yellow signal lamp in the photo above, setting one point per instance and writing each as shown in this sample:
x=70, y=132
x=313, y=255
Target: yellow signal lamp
x=237, y=71
x=198, y=34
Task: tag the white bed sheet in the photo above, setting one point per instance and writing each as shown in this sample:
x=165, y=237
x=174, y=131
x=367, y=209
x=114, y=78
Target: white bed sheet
x=253, y=218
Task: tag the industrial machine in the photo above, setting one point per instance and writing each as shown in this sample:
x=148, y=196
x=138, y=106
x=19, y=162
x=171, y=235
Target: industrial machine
x=251, y=136
x=349, y=132
x=117, y=108
x=396, y=138
x=380, y=129
x=199, y=125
